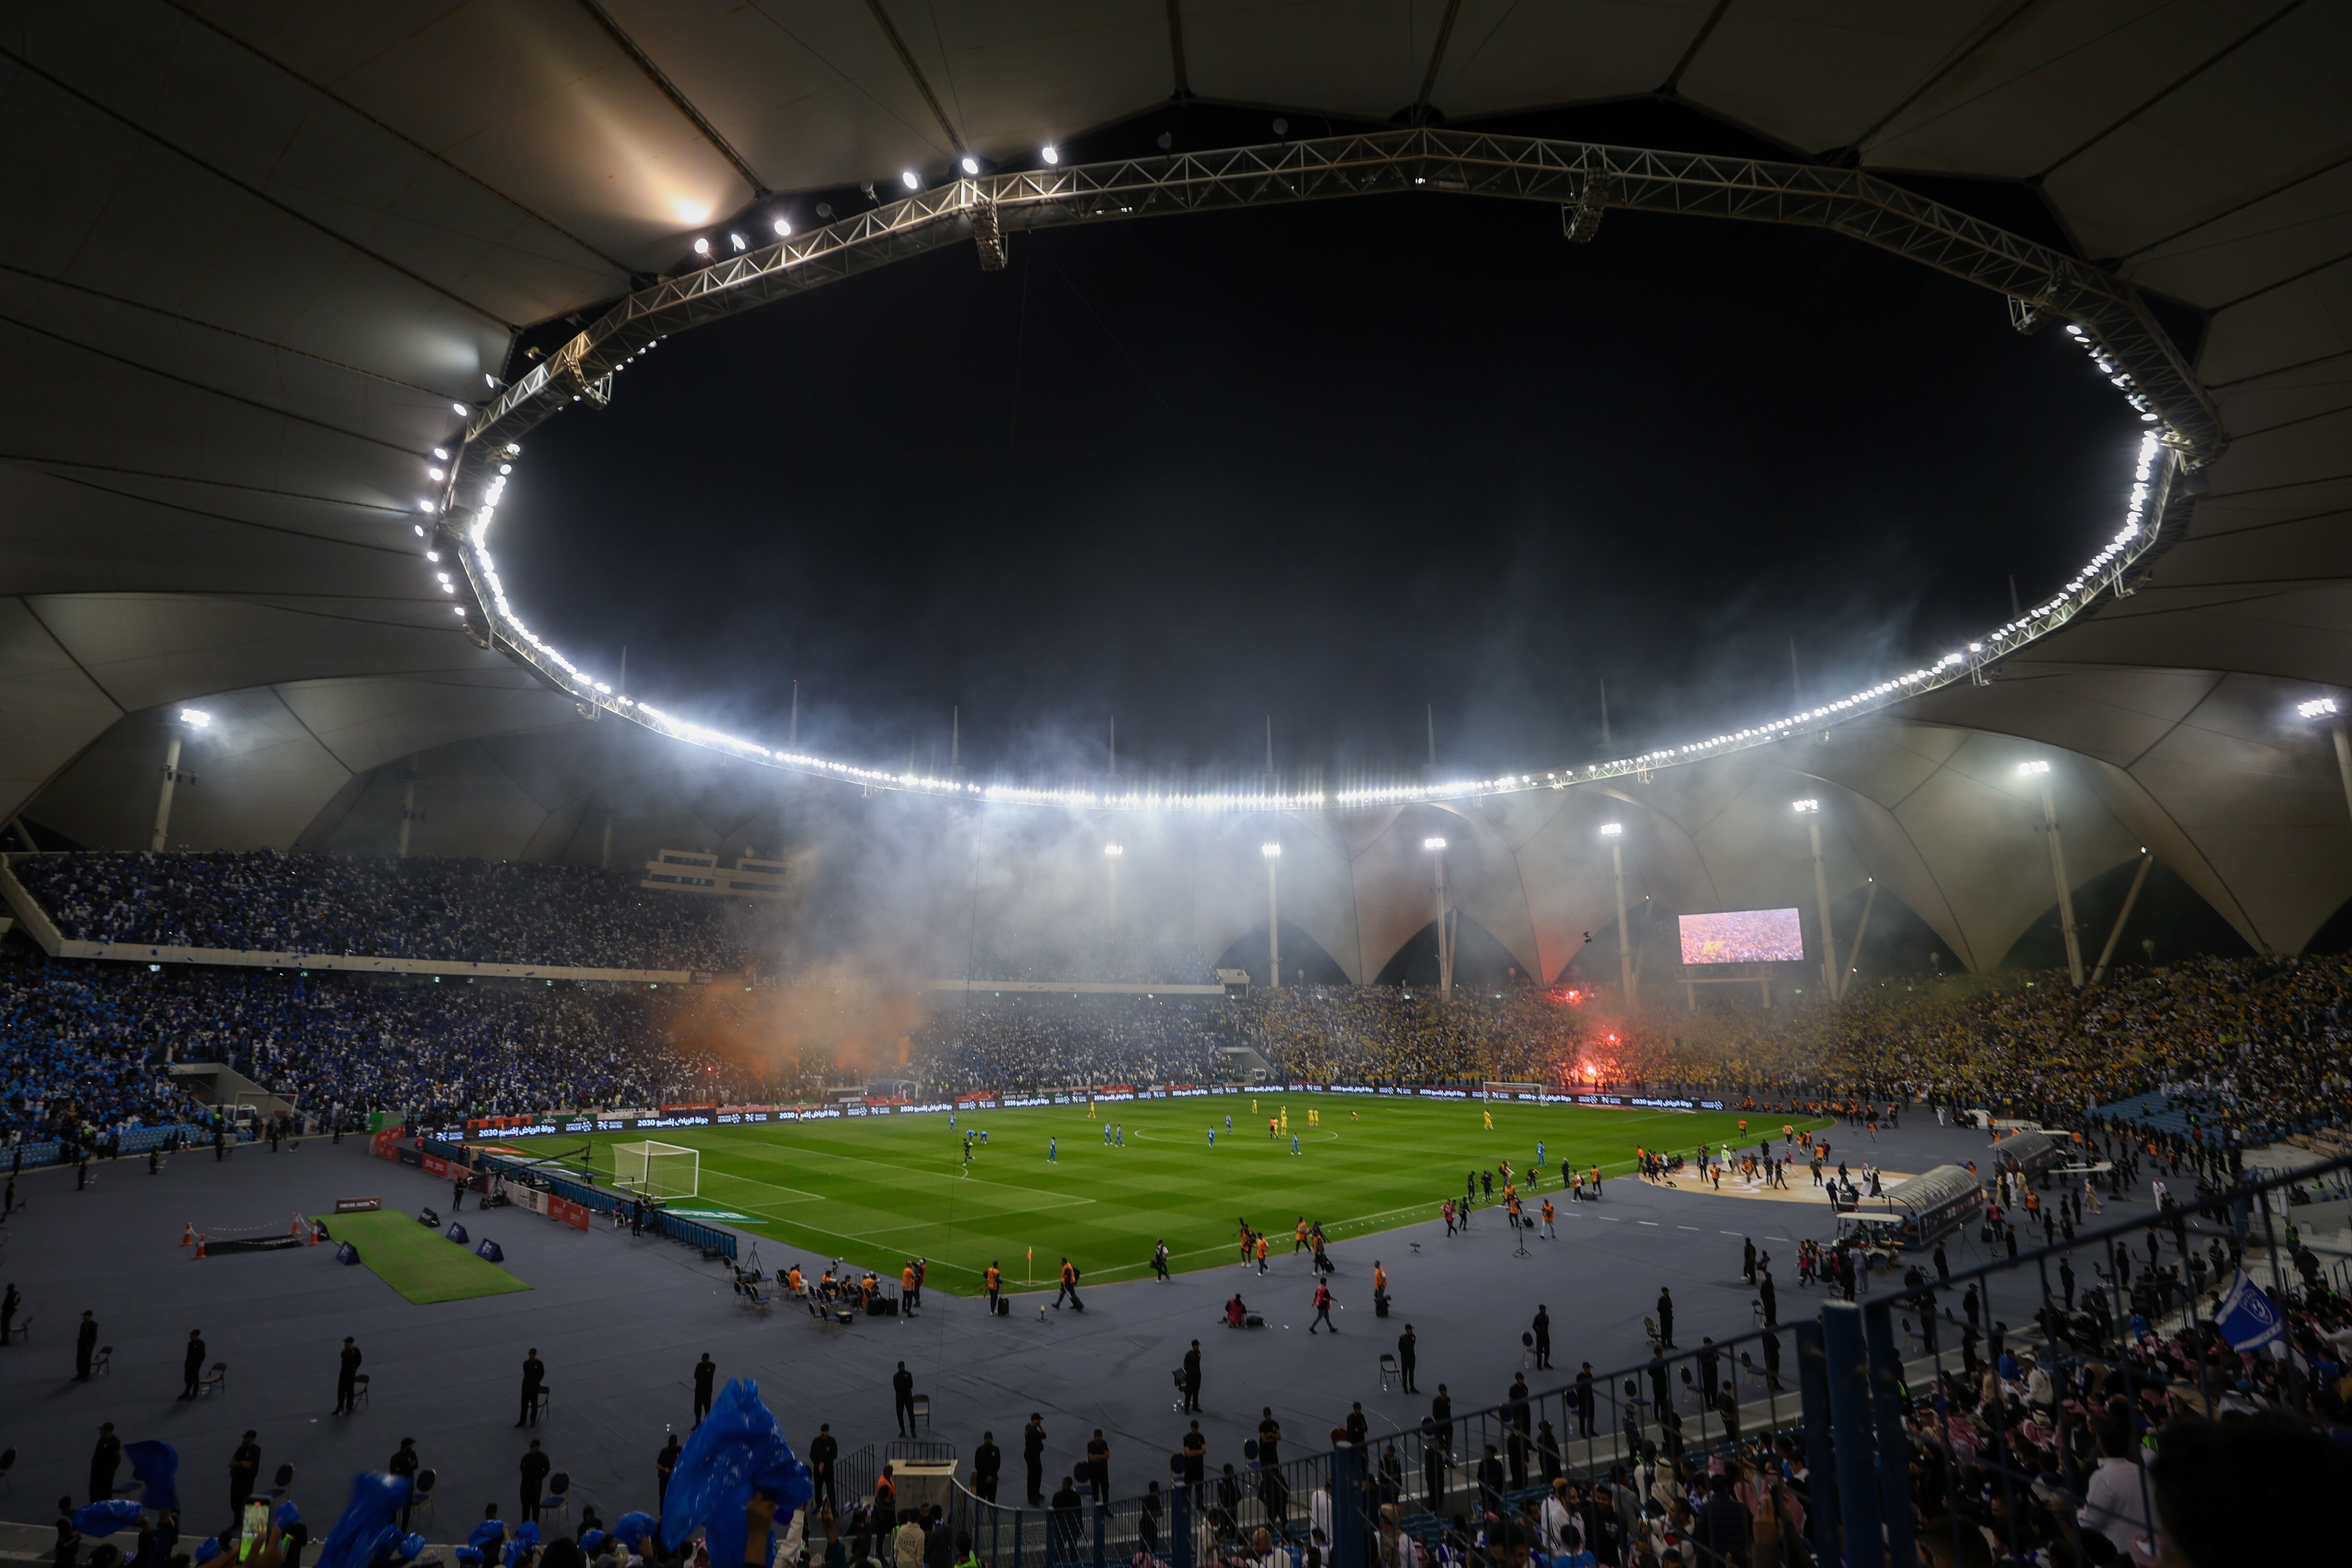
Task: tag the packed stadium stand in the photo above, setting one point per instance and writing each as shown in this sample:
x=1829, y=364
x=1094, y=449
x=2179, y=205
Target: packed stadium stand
x=476, y=911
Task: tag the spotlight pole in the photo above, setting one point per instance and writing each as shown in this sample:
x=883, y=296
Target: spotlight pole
x=193, y=719
x=2039, y=771
x=1615, y=833
x=163, y=799
x=1436, y=848
x=1811, y=810
x=1273, y=853
x=2328, y=708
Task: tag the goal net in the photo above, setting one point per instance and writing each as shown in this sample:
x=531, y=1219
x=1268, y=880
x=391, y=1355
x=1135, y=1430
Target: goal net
x=657, y=1170
x=1494, y=1088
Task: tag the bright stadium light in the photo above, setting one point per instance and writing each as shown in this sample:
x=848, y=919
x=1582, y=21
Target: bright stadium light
x=1433, y=844
x=459, y=409
x=1271, y=851
x=1804, y=805
x=2101, y=574
x=971, y=165
x=701, y=246
x=1052, y=153
x=2317, y=707
x=1113, y=851
x=906, y=176
x=2032, y=769
x=435, y=474
x=1612, y=830
x=442, y=453
x=196, y=718
x=784, y=227
x=738, y=242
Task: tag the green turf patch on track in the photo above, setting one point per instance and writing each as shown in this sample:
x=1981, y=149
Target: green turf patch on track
x=876, y=1192
x=417, y=1261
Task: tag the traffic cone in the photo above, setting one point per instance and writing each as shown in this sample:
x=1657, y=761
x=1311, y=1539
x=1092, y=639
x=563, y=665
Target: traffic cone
x=297, y=1228
x=200, y=1249
x=188, y=1237
x=317, y=1234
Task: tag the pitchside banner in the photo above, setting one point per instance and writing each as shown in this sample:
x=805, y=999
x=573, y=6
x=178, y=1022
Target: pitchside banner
x=680, y=1117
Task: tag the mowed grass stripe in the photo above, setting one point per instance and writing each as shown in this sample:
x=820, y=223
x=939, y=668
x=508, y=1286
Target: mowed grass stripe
x=874, y=1192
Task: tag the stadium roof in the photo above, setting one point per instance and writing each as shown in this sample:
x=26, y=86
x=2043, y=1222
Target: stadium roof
x=257, y=252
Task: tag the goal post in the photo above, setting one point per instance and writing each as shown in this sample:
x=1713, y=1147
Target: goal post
x=654, y=1170
x=1493, y=1089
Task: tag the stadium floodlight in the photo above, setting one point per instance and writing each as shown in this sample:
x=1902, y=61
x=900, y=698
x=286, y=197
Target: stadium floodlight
x=784, y=227
x=1612, y=830
x=1114, y=851
x=460, y=410
x=701, y=246
x=908, y=178
x=442, y=453
x=435, y=474
x=2032, y=769
x=738, y=242
x=196, y=718
x=1433, y=844
x=1270, y=850
x=2317, y=707
x=1052, y=154
x=1804, y=806
x=433, y=555
x=971, y=166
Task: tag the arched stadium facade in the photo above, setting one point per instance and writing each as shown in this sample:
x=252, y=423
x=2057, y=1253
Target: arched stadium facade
x=258, y=257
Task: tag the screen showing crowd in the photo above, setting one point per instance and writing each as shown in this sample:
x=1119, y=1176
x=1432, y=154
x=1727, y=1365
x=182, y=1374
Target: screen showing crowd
x=1743, y=936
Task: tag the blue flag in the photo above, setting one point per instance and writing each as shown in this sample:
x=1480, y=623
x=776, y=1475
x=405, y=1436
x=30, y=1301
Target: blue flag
x=157, y=1466
x=375, y=1503
x=736, y=1451
x=103, y=1519
x=2247, y=1318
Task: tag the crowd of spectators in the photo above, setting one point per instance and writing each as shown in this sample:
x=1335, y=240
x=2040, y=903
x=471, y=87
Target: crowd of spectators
x=1396, y=1035
x=452, y=911
x=2262, y=1044
x=87, y=1045
x=1033, y=1041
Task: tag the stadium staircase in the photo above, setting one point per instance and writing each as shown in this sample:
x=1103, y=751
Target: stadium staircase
x=218, y=1083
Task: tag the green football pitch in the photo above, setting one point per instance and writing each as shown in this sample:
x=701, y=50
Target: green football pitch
x=876, y=1193
x=417, y=1261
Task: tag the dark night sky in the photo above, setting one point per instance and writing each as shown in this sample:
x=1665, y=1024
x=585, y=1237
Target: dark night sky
x=1330, y=462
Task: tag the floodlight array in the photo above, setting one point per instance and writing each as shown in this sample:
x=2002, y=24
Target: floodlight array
x=586, y=367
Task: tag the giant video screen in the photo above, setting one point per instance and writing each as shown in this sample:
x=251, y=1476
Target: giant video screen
x=1743, y=936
